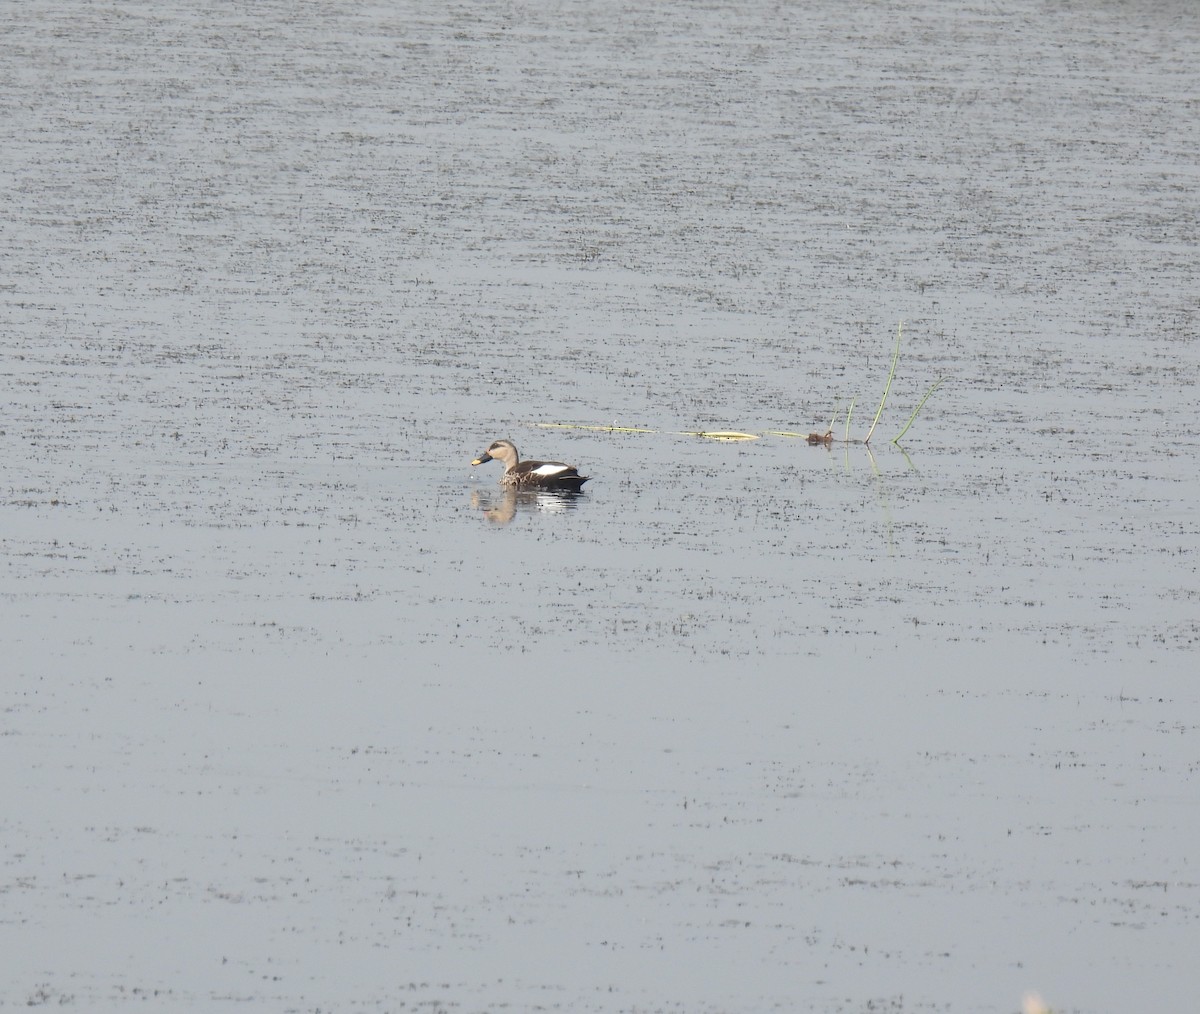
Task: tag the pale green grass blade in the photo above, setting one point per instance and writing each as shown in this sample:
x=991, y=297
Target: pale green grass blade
x=888, y=386
x=920, y=405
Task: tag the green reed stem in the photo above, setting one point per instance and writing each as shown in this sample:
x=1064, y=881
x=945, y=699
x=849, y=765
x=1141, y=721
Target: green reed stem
x=920, y=405
x=888, y=387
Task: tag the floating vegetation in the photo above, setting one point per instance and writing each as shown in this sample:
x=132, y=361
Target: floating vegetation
x=816, y=439
x=727, y=436
x=827, y=437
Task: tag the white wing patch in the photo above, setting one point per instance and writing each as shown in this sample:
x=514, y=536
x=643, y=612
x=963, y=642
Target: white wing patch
x=550, y=469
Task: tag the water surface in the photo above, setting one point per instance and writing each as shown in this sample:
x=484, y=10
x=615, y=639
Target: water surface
x=301, y=711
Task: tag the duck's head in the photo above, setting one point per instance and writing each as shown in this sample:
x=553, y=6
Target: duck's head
x=501, y=450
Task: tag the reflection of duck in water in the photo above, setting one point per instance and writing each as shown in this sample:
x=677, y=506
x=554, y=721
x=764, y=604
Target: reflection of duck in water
x=500, y=508
x=520, y=474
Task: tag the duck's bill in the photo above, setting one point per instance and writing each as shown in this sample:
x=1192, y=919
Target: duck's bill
x=482, y=458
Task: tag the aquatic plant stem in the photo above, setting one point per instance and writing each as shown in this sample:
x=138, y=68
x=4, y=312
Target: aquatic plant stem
x=888, y=386
x=849, y=412
x=920, y=405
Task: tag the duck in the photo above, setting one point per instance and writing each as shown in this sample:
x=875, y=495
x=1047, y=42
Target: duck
x=520, y=474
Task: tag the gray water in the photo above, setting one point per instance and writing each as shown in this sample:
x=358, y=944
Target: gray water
x=301, y=712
